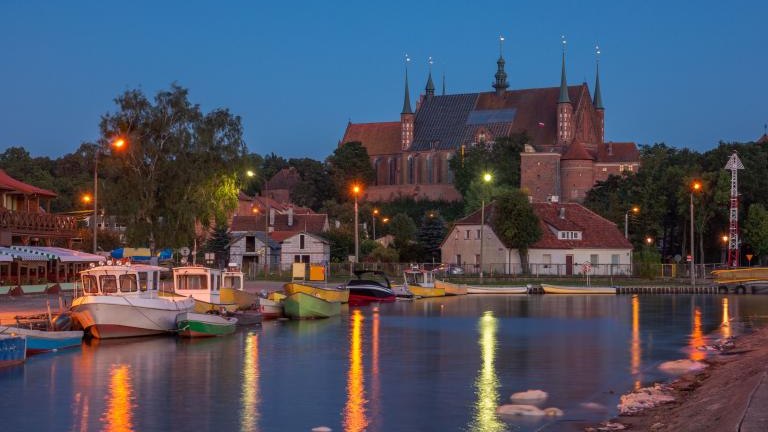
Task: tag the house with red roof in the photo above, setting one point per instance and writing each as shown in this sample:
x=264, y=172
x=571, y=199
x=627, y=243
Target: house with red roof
x=565, y=156
x=574, y=240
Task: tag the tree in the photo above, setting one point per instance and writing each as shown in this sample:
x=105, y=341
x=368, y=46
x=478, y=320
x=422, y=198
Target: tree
x=515, y=223
x=315, y=186
x=403, y=229
x=181, y=166
x=500, y=157
x=218, y=243
x=350, y=164
x=431, y=234
x=756, y=230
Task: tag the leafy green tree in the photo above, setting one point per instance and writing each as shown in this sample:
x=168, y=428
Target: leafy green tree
x=431, y=235
x=350, y=164
x=403, y=228
x=647, y=261
x=501, y=158
x=315, y=186
x=384, y=254
x=756, y=231
x=515, y=223
x=181, y=166
x=342, y=243
x=218, y=243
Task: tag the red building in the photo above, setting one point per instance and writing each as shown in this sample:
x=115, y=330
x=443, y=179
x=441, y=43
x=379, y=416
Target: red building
x=565, y=157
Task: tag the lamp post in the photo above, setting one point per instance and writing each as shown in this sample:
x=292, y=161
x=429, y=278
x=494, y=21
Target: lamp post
x=355, y=192
x=486, y=179
x=118, y=144
x=374, y=213
x=635, y=210
x=724, y=238
x=695, y=187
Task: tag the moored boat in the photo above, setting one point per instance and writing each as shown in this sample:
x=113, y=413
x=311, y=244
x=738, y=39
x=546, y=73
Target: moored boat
x=375, y=288
x=270, y=309
x=204, y=285
x=13, y=350
x=496, y=289
x=560, y=289
x=421, y=283
x=122, y=301
x=451, y=289
x=301, y=305
x=39, y=341
x=331, y=294
x=191, y=324
x=233, y=290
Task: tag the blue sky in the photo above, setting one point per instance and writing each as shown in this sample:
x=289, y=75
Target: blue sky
x=686, y=73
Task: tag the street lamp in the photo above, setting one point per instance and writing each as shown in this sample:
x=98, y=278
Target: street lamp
x=374, y=213
x=724, y=238
x=356, y=191
x=118, y=144
x=649, y=240
x=695, y=187
x=486, y=179
x=635, y=210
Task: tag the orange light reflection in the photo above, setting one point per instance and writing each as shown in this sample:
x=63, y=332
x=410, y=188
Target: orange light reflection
x=635, y=349
x=249, y=394
x=487, y=383
x=354, y=412
x=375, y=384
x=119, y=411
x=697, y=337
x=725, y=324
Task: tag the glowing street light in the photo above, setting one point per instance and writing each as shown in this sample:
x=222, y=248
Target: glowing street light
x=118, y=143
x=250, y=173
x=649, y=240
x=695, y=187
x=486, y=179
x=374, y=213
x=356, y=191
x=635, y=210
x=86, y=198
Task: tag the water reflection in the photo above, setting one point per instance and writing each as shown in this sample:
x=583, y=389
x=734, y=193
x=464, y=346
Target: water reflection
x=250, y=397
x=725, y=322
x=697, y=337
x=487, y=383
x=118, y=416
x=355, y=419
x=635, y=350
x=375, y=384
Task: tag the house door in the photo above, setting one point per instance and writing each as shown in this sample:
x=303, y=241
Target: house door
x=569, y=265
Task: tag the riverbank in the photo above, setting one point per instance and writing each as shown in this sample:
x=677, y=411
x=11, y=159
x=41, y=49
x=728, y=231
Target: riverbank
x=730, y=395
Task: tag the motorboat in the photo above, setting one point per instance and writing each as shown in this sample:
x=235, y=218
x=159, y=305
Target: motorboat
x=192, y=324
x=421, y=283
x=374, y=287
x=561, y=289
x=204, y=285
x=450, y=288
x=39, y=341
x=118, y=301
x=331, y=294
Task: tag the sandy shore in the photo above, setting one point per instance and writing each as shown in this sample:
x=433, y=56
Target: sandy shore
x=730, y=395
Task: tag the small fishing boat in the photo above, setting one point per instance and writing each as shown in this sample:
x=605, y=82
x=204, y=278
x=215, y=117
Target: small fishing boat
x=192, y=324
x=374, y=288
x=451, y=289
x=271, y=307
x=301, y=305
x=39, y=341
x=421, y=283
x=204, y=285
x=496, y=289
x=13, y=350
x=560, y=289
x=331, y=294
x=233, y=290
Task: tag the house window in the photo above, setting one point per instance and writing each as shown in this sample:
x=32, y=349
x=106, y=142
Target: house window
x=250, y=244
x=478, y=234
x=615, y=259
x=458, y=259
x=594, y=259
x=301, y=241
x=547, y=260
x=605, y=169
x=477, y=259
x=301, y=259
x=466, y=236
x=456, y=235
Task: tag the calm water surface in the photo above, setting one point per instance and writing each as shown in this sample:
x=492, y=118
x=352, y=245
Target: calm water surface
x=429, y=365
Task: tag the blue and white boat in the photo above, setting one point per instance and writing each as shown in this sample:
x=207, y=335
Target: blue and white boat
x=13, y=350
x=39, y=341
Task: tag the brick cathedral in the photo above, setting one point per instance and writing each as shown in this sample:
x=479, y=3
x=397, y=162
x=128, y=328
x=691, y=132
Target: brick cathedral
x=565, y=157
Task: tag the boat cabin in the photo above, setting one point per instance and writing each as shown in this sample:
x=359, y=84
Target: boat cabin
x=232, y=279
x=202, y=283
x=138, y=280
x=419, y=277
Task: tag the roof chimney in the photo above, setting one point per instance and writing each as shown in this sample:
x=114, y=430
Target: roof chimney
x=290, y=216
x=562, y=212
x=271, y=217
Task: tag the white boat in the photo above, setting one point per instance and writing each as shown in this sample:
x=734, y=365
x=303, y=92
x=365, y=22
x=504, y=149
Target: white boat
x=123, y=301
x=421, y=283
x=496, y=289
x=560, y=289
x=204, y=285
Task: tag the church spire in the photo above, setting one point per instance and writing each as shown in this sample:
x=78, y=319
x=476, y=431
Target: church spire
x=598, y=100
x=501, y=76
x=563, y=82
x=430, y=90
x=443, y=83
x=407, y=99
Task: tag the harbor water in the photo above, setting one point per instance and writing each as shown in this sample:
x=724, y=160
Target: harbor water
x=442, y=364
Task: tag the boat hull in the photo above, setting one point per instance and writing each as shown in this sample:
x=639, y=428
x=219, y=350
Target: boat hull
x=451, y=289
x=304, y=306
x=421, y=291
x=327, y=294
x=13, y=350
x=242, y=299
x=270, y=309
x=365, y=294
x=107, y=317
x=558, y=289
x=39, y=341
x=497, y=290
x=192, y=324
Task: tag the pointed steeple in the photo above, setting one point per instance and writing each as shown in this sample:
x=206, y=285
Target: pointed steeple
x=407, y=99
x=598, y=100
x=430, y=90
x=443, y=83
x=563, y=82
x=501, y=76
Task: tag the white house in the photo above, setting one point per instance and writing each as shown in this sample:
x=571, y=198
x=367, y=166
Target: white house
x=247, y=251
x=574, y=240
x=303, y=247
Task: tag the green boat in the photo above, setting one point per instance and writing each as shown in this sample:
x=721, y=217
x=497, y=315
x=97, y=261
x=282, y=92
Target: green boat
x=305, y=306
x=191, y=324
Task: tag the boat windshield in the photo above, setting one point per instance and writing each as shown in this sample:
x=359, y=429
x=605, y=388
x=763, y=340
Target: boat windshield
x=412, y=278
x=192, y=282
x=108, y=284
x=128, y=283
x=89, y=284
x=234, y=282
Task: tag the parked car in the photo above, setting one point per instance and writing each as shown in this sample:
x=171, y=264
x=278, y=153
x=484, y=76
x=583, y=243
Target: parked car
x=450, y=269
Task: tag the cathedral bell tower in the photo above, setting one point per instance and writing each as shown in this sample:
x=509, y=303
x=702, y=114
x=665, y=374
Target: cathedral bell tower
x=564, y=111
x=598, y=100
x=406, y=116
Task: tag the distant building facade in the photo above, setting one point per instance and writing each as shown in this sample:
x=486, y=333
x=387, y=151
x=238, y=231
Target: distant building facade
x=565, y=157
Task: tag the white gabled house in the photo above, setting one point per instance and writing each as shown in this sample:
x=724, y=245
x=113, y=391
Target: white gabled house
x=574, y=239
x=302, y=247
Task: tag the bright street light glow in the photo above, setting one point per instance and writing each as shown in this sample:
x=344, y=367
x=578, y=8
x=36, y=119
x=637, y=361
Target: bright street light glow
x=250, y=173
x=487, y=177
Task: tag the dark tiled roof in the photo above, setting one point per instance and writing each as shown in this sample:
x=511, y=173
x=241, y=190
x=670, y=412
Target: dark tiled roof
x=576, y=151
x=763, y=139
x=11, y=184
x=286, y=178
x=447, y=122
x=618, y=152
x=597, y=232
x=314, y=223
x=378, y=138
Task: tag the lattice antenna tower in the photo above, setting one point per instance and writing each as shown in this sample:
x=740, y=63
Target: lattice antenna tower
x=734, y=164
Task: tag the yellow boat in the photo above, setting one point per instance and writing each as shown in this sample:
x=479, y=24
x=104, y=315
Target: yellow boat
x=233, y=290
x=559, y=289
x=451, y=289
x=421, y=283
x=326, y=293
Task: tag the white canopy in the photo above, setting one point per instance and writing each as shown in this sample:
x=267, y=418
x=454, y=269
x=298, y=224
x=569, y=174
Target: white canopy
x=45, y=253
x=9, y=254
